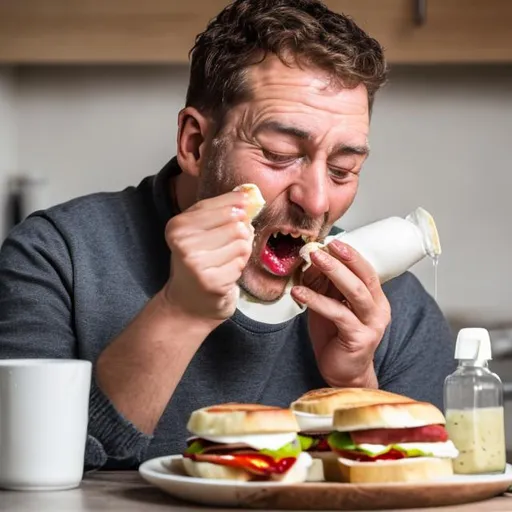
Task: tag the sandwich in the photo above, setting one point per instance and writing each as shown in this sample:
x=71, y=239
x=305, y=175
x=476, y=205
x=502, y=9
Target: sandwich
x=314, y=412
x=392, y=442
x=245, y=442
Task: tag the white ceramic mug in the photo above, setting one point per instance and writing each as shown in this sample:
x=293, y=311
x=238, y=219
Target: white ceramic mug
x=44, y=409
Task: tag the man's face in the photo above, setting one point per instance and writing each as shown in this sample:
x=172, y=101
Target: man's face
x=303, y=143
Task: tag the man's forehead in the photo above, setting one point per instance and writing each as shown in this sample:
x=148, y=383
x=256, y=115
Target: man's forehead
x=271, y=79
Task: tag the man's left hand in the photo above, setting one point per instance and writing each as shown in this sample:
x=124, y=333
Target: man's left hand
x=348, y=314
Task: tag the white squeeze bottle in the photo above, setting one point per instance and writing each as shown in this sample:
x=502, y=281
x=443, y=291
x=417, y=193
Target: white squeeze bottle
x=473, y=402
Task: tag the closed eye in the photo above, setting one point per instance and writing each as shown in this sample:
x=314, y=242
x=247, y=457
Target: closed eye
x=278, y=158
x=340, y=175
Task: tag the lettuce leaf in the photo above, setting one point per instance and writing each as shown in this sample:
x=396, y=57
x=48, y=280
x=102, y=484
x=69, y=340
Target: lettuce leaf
x=292, y=449
x=341, y=441
x=306, y=442
x=195, y=447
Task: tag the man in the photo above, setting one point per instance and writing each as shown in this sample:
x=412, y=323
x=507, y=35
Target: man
x=144, y=282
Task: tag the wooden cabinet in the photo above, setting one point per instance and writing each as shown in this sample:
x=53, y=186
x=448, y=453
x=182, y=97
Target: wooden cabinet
x=454, y=31
x=163, y=31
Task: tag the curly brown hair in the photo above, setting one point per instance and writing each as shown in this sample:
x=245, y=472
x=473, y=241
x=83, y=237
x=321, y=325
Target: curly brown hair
x=301, y=32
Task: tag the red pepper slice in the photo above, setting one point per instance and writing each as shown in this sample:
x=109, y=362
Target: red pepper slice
x=322, y=446
x=257, y=464
x=363, y=457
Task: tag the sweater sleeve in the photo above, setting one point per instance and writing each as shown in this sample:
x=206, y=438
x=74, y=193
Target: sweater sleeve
x=36, y=321
x=418, y=353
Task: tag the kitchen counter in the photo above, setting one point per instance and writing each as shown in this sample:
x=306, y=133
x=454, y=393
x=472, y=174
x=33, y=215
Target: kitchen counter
x=126, y=491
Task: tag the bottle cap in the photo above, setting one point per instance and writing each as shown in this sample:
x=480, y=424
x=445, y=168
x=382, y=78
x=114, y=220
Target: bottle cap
x=473, y=344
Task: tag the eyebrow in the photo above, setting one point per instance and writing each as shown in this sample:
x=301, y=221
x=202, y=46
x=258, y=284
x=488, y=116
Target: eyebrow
x=341, y=149
x=351, y=149
x=277, y=127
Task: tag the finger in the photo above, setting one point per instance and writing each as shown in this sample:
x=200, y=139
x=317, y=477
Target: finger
x=202, y=260
x=314, y=279
x=358, y=265
x=348, y=284
x=345, y=320
x=216, y=238
x=220, y=280
x=206, y=219
x=238, y=199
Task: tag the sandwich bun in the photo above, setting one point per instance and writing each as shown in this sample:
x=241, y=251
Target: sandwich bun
x=414, y=469
x=233, y=419
x=387, y=415
x=325, y=401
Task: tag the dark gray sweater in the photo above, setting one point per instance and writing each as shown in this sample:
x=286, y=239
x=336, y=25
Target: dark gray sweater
x=72, y=278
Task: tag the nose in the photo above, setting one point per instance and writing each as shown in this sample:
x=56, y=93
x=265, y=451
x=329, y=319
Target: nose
x=310, y=191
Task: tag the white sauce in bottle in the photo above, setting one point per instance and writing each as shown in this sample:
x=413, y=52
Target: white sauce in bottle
x=479, y=435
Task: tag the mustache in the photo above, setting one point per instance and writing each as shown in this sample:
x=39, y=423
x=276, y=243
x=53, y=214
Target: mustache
x=292, y=216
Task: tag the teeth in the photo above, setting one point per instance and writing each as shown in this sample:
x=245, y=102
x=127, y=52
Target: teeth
x=305, y=238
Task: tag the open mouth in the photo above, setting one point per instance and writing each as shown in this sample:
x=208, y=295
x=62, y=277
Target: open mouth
x=280, y=255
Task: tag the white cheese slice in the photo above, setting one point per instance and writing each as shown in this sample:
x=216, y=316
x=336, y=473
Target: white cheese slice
x=446, y=449
x=256, y=441
x=313, y=422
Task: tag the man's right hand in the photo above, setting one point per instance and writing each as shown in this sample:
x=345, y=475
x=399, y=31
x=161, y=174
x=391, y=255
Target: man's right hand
x=211, y=243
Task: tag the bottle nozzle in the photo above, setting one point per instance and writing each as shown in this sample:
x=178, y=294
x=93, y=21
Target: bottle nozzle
x=473, y=344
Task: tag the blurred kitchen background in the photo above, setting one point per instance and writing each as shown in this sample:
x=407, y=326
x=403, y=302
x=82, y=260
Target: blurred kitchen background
x=90, y=91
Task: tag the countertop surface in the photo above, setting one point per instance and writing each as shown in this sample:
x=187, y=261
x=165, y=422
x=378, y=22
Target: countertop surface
x=126, y=491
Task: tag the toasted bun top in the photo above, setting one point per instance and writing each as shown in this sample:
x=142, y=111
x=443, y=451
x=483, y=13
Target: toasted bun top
x=235, y=419
x=325, y=401
x=390, y=415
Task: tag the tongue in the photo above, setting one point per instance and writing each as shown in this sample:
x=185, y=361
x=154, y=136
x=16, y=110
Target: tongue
x=280, y=256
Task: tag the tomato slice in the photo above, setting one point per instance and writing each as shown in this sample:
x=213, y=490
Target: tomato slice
x=255, y=463
x=425, y=434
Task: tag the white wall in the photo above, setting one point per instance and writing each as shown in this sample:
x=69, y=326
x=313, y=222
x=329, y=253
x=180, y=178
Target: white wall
x=440, y=139
x=8, y=134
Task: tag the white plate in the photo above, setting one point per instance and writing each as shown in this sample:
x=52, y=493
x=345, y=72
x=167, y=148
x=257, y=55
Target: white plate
x=320, y=496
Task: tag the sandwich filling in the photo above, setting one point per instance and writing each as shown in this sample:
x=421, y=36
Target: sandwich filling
x=246, y=453
x=393, y=443
x=315, y=441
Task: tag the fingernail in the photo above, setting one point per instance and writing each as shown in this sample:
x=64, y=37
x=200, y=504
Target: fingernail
x=341, y=249
x=237, y=212
x=320, y=256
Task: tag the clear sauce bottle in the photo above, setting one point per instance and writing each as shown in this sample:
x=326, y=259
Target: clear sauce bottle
x=473, y=402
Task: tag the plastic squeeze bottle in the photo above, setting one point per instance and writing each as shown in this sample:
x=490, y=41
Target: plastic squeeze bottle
x=473, y=401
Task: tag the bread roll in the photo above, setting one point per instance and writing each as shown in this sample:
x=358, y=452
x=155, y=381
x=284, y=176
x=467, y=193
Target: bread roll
x=325, y=401
x=415, y=469
x=239, y=419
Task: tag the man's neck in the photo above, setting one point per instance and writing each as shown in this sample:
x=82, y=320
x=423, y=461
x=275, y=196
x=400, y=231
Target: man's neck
x=185, y=189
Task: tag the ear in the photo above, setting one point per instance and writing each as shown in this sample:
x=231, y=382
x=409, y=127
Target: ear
x=192, y=134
